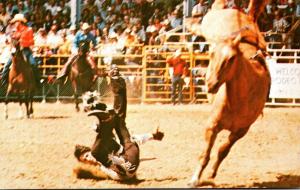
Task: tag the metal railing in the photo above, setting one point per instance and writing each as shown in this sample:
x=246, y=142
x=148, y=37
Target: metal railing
x=149, y=79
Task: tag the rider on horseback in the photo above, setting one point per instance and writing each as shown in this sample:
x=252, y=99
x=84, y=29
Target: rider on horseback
x=83, y=35
x=24, y=35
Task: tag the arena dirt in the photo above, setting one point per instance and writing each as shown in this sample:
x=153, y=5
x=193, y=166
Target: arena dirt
x=38, y=152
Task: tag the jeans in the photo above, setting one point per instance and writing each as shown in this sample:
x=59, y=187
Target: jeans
x=177, y=83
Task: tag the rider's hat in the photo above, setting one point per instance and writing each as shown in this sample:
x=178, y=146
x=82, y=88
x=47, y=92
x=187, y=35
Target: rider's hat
x=19, y=17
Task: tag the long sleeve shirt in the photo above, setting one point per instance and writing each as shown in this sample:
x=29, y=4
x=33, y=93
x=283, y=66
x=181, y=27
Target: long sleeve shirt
x=80, y=36
x=25, y=36
x=178, y=64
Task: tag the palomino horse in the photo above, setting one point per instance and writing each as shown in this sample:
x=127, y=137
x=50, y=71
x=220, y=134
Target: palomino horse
x=81, y=75
x=238, y=76
x=21, y=80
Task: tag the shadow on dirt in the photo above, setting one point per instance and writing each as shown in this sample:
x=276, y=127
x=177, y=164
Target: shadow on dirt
x=283, y=181
x=51, y=117
x=147, y=159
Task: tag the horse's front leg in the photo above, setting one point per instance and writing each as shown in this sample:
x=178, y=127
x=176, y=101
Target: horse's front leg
x=76, y=95
x=210, y=137
x=225, y=148
x=30, y=104
x=27, y=105
x=20, y=113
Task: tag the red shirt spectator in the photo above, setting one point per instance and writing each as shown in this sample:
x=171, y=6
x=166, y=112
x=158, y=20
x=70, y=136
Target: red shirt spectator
x=178, y=64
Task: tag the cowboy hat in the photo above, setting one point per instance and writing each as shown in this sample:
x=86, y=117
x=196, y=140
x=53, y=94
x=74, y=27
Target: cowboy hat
x=19, y=17
x=85, y=26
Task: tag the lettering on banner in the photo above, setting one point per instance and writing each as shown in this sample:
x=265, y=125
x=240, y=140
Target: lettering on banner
x=285, y=81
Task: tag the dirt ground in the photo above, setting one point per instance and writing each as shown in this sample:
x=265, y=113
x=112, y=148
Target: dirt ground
x=38, y=152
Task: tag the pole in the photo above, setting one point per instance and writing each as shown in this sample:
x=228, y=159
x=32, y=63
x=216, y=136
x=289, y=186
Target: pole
x=75, y=11
x=184, y=15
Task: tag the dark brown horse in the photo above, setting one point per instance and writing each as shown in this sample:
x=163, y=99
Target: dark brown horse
x=81, y=75
x=21, y=81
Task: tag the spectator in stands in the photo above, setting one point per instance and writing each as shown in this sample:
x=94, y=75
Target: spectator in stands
x=65, y=47
x=9, y=7
x=5, y=48
x=4, y=16
x=200, y=9
x=24, y=35
x=280, y=26
x=52, y=7
x=114, y=24
x=71, y=34
x=100, y=23
x=166, y=26
x=82, y=35
x=54, y=40
x=153, y=36
x=65, y=9
x=39, y=13
x=126, y=23
x=40, y=41
x=177, y=19
x=48, y=21
x=180, y=68
x=297, y=2
x=20, y=8
x=140, y=31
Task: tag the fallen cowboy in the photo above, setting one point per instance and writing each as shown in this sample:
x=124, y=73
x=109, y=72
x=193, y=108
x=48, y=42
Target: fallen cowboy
x=107, y=159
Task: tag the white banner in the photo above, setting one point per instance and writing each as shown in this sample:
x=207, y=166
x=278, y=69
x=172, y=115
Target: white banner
x=285, y=80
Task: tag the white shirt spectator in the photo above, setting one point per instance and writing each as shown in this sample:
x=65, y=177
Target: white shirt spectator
x=54, y=40
x=199, y=9
x=52, y=8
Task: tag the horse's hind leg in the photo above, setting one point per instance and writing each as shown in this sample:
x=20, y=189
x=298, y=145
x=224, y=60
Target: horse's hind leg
x=9, y=88
x=225, y=148
x=210, y=137
x=76, y=95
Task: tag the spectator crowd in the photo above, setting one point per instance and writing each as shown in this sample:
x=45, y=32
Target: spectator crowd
x=119, y=25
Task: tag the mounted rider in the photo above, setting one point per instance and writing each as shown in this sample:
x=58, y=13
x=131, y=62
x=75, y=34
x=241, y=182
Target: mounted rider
x=82, y=35
x=24, y=35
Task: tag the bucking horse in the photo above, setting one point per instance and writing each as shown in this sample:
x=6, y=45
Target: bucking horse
x=237, y=76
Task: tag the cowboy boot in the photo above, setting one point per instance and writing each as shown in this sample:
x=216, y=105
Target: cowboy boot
x=62, y=76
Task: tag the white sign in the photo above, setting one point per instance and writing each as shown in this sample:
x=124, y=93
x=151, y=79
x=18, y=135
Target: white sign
x=285, y=80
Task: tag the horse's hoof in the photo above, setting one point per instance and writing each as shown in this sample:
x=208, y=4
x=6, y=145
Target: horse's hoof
x=193, y=183
x=208, y=182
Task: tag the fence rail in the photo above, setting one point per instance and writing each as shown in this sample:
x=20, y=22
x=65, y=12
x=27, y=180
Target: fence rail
x=148, y=76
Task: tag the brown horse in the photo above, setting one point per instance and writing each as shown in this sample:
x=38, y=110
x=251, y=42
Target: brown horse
x=238, y=76
x=21, y=81
x=81, y=75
